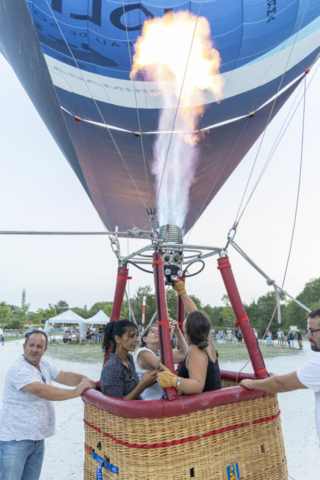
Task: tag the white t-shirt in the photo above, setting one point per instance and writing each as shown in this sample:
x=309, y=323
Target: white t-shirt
x=309, y=376
x=25, y=416
x=152, y=393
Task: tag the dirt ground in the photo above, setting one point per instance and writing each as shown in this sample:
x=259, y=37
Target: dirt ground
x=64, y=451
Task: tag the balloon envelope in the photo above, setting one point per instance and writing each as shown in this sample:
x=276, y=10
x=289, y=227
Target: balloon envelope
x=73, y=57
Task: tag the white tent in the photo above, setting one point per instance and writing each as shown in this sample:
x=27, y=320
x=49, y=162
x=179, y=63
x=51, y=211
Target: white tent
x=66, y=317
x=99, y=318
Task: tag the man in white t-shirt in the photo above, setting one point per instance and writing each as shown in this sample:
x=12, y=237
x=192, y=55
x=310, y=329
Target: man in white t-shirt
x=308, y=376
x=27, y=414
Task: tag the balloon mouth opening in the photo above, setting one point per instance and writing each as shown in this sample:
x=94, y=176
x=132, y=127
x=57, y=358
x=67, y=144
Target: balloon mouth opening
x=170, y=234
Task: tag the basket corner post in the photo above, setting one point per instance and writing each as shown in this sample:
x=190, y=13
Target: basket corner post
x=122, y=278
x=243, y=322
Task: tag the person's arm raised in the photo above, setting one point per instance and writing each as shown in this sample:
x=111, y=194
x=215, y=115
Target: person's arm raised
x=178, y=355
x=275, y=383
x=189, y=304
x=47, y=392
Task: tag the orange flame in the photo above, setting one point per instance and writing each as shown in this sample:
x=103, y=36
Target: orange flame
x=176, y=52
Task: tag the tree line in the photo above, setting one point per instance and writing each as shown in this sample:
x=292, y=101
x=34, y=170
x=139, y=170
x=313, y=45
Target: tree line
x=259, y=311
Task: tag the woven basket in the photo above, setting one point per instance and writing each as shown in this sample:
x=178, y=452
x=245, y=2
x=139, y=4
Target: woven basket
x=243, y=437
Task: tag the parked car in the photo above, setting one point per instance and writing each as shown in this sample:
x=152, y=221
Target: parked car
x=31, y=330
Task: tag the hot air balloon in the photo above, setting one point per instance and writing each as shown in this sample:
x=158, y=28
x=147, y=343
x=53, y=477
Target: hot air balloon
x=74, y=59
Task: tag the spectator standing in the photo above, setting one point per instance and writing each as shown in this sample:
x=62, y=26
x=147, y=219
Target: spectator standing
x=299, y=338
x=100, y=333
x=279, y=336
x=88, y=337
x=77, y=335
x=96, y=335
x=291, y=338
x=27, y=414
x=283, y=340
x=2, y=336
x=269, y=338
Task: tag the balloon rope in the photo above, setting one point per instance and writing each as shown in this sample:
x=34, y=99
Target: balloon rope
x=297, y=202
x=136, y=100
x=294, y=221
x=237, y=219
x=94, y=100
x=277, y=142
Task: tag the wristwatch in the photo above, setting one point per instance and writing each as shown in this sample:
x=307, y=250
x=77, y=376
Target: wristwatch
x=178, y=382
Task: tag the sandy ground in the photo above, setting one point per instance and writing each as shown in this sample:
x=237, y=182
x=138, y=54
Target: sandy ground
x=64, y=451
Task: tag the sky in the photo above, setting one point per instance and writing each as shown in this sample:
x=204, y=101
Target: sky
x=39, y=191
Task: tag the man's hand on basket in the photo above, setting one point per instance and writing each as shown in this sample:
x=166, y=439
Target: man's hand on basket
x=83, y=385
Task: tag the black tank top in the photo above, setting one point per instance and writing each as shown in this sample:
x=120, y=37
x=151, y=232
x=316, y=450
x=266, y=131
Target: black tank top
x=213, y=379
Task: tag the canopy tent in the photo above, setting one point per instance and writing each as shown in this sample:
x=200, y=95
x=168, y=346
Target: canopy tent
x=99, y=318
x=66, y=317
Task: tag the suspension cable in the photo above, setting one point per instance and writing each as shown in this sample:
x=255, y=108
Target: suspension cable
x=277, y=141
x=137, y=107
x=295, y=213
x=95, y=102
x=236, y=222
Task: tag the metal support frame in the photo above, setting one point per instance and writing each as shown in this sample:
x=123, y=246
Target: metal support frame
x=163, y=322
x=242, y=319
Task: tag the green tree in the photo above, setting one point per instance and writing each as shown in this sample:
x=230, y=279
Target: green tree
x=310, y=297
x=23, y=311
x=83, y=312
x=39, y=317
x=136, y=303
x=172, y=303
x=61, y=306
x=108, y=308
x=50, y=312
x=5, y=313
x=228, y=317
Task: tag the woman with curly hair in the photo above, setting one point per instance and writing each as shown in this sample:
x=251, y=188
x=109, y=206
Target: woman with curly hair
x=118, y=377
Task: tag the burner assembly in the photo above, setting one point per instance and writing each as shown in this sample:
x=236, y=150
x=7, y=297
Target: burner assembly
x=172, y=258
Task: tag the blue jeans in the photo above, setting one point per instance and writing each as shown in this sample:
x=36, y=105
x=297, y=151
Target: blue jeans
x=21, y=460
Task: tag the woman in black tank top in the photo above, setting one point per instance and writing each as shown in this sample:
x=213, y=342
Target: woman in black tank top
x=197, y=328
x=200, y=370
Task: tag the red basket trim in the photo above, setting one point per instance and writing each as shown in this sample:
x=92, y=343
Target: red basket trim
x=183, y=440
x=267, y=419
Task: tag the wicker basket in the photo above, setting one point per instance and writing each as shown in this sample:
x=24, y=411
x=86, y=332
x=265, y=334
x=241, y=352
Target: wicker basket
x=209, y=439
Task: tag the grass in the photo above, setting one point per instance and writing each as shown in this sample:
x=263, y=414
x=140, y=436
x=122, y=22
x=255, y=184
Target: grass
x=10, y=339
x=94, y=354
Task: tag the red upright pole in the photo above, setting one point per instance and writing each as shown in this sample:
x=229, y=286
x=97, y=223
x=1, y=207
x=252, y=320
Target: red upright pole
x=163, y=323
x=122, y=278
x=258, y=365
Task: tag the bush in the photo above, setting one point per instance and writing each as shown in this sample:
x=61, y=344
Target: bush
x=13, y=325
